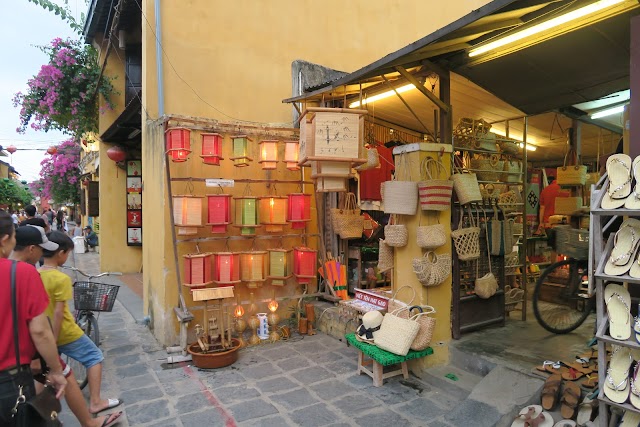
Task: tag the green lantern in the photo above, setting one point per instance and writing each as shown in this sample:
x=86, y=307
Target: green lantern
x=241, y=151
x=246, y=214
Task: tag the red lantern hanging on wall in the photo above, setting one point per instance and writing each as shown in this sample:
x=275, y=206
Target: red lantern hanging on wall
x=11, y=149
x=197, y=270
x=218, y=212
x=299, y=211
x=211, y=149
x=86, y=182
x=304, y=264
x=52, y=150
x=117, y=154
x=178, y=144
x=226, y=268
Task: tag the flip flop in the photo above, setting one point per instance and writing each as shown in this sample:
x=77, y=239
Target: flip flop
x=633, y=201
x=588, y=355
x=616, y=384
x=550, y=392
x=618, y=301
x=635, y=269
x=111, y=419
x=571, y=374
x=569, y=400
x=111, y=403
x=634, y=393
x=625, y=248
x=533, y=416
x=590, y=382
x=565, y=423
x=550, y=367
x=630, y=419
x=585, y=410
x=619, y=172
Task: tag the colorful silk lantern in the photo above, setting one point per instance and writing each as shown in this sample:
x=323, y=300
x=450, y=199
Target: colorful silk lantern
x=187, y=214
x=241, y=151
x=218, y=212
x=273, y=213
x=226, y=268
x=304, y=264
x=117, y=154
x=291, y=155
x=299, y=210
x=211, y=149
x=197, y=270
x=246, y=214
x=280, y=265
x=178, y=143
x=253, y=268
x=268, y=154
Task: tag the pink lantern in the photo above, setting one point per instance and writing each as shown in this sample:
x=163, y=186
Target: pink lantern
x=197, y=270
x=11, y=149
x=218, y=212
x=178, y=142
x=117, y=154
x=211, y=148
x=304, y=264
x=226, y=268
x=299, y=212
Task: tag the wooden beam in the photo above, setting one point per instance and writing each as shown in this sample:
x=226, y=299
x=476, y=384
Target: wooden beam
x=446, y=117
x=409, y=108
x=422, y=89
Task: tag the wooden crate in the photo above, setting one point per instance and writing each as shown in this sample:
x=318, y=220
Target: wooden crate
x=332, y=134
x=325, y=168
x=328, y=184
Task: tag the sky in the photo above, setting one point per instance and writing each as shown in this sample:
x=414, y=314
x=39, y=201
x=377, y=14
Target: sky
x=23, y=26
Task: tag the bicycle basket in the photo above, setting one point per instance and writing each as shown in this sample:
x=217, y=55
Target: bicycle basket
x=577, y=245
x=94, y=296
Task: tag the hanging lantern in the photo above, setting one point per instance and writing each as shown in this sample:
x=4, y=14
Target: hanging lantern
x=197, y=270
x=269, y=154
x=279, y=266
x=11, y=149
x=178, y=143
x=218, y=212
x=117, y=154
x=52, y=150
x=226, y=268
x=211, y=148
x=299, y=211
x=187, y=214
x=304, y=264
x=246, y=214
x=291, y=155
x=241, y=151
x=253, y=268
x=86, y=182
x=273, y=213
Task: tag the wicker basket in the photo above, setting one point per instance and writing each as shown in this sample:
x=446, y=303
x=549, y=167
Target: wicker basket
x=427, y=324
x=431, y=236
x=435, y=193
x=396, y=334
x=467, y=131
x=394, y=303
x=509, y=201
x=466, y=185
x=396, y=235
x=466, y=241
x=489, y=192
x=512, y=171
x=487, y=168
x=385, y=256
x=347, y=221
x=398, y=196
x=432, y=269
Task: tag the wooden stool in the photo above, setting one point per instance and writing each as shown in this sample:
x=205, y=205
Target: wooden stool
x=377, y=370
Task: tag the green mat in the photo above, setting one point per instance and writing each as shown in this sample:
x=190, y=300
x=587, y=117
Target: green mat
x=383, y=357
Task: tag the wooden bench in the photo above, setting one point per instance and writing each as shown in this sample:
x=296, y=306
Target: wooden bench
x=379, y=359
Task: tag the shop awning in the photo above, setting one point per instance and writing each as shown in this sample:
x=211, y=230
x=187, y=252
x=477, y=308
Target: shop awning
x=127, y=127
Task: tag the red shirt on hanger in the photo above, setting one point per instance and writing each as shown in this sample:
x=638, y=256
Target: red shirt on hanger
x=372, y=179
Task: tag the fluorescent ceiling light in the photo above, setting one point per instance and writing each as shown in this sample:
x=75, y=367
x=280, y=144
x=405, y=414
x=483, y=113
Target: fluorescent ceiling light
x=382, y=95
x=608, y=112
x=544, y=26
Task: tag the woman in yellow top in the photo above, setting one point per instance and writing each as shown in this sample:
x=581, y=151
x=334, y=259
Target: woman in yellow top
x=70, y=338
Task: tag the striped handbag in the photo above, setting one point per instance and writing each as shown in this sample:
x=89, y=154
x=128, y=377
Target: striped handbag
x=435, y=194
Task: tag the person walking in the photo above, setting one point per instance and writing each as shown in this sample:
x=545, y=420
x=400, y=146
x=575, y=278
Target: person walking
x=31, y=219
x=61, y=222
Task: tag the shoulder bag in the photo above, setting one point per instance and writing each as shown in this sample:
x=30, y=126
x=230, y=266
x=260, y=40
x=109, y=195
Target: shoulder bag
x=571, y=174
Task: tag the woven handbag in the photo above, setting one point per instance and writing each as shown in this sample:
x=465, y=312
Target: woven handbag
x=512, y=171
x=373, y=160
x=489, y=193
x=567, y=205
x=434, y=192
x=509, y=201
x=385, y=256
x=427, y=324
x=432, y=269
x=466, y=186
x=400, y=196
x=467, y=131
x=486, y=142
x=466, y=241
x=487, y=168
x=394, y=303
x=395, y=234
x=509, y=147
x=486, y=286
x=396, y=334
x=573, y=174
x=430, y=236
x=348, y=220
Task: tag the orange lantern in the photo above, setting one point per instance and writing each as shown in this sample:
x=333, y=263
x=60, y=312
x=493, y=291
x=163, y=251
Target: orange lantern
x=304, y=264
x=273, y=305
x=211, y=148
x=226, y=268
x=253, y=268
x=269, y=154
x=178, y=143
x=291, y=155
x=299, y=211
x=52, y=150
x=273, y=213
x=187, y=214
x=218, y=212
x=197, y=270
x=241, y=151
x=280, y=265
x=246, y=214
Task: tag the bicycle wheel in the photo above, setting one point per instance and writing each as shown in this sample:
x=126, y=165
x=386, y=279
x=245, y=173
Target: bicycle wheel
x=558, y=303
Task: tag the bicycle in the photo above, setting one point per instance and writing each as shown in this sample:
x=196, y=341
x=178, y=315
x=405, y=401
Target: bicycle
x=90, y=297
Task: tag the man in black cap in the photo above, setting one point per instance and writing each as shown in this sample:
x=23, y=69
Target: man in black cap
x=30, y=211
x=30, y=241
x=90, y=239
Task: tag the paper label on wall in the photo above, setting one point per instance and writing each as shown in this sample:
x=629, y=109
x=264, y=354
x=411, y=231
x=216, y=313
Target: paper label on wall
x=336, y=135
x=211, y=182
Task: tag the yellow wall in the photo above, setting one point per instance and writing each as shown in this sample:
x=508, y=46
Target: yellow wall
x=237, y=57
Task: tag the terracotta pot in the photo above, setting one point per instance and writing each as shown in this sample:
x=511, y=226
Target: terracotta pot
x=214, y=360
x=302, y=326
x=311, y=312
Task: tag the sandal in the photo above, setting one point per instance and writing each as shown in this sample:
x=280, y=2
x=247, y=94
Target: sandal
x=569, y=400
x=619, y=173
x=550, y=392
x=625, y=247
x=586, y=410
x=634, y=392
x=590, y=382
x=571, y=374
x=550, y=367
x=618, y=301
x=533, y=416
x=633, y=201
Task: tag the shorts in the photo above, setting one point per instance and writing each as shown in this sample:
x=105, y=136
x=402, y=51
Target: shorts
x=84, y=351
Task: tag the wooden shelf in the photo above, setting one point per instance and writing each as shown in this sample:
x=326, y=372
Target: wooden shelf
x=619, y=212
x=601, y=335
x=474, y=296
x=625, y=406
x=599, y=274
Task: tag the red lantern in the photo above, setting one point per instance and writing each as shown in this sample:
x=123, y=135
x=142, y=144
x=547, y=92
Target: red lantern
x=226, y=268
x=11, y=149
x=197, y=270
x=299, y=210
x=178, y=142
x=211, y=148
x=52, y=150
x=86, y=182
x=117, y=154
x=218, y=212
x=304, y=264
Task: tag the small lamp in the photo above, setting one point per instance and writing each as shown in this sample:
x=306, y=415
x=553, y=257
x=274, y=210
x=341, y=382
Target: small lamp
x=226, y=268
x=304, y=264
x=299, y=210
x=273, y=319
x=273, y=213
x=218, y=212
x=187, y=214
x=241, y=151
x=178, y=143
x=291, y=155
x=268, y=154
x=240, y=323
x=211, y=148
x=197, y=270
x=246, y=214
x=279, y=266
x=253, y=268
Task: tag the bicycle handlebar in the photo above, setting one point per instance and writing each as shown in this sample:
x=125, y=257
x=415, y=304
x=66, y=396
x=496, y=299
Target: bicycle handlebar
x=92, y=276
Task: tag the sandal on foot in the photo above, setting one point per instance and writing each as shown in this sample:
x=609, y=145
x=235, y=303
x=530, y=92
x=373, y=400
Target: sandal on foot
x=619, y=173
x=586, y=410
x=111, y=419
x=569, y=400
x=550, y=392
x=618, y=301
x=111, y=403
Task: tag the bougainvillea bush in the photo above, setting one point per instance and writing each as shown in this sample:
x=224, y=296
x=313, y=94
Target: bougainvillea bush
x=61, y=95
x=59, y=176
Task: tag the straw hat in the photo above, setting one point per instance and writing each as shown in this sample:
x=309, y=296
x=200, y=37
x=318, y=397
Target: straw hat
x=371, y=322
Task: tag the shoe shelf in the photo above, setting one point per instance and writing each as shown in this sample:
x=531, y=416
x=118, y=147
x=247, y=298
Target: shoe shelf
x=601, y=335
x=623, y=406
x=599, y=274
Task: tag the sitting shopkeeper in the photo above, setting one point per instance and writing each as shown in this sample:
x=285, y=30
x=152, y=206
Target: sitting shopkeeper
x=548, y=198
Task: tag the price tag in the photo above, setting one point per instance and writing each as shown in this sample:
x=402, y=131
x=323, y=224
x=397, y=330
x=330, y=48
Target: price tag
x=211, y=182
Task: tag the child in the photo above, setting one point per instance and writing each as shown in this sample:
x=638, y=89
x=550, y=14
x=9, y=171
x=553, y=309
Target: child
x=70, y=338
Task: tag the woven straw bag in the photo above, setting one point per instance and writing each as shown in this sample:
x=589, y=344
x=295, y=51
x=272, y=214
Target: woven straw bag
x=574, y=174
x=509, y=147
x=466, y=241
x=487, y=168
x=430, y=236
x=427, y=325
x=373, y=160
x=466, y=185
x=489, y=193
x=435, y=193
x=509, y=201
x=394, y=303
x=395, y=234
x=486, y=142
x=396, y=334
x=512, y=171
x=486, y=286
x=467, y=131
x=347, y=221
x=511, y=263
x=567, y=205
x=400, y=196
x=385, y=256
x=432, y=269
